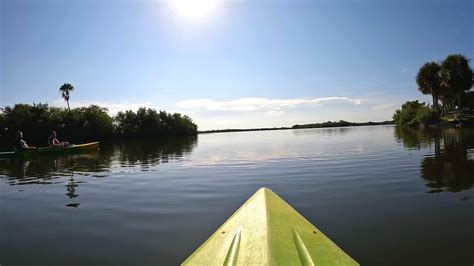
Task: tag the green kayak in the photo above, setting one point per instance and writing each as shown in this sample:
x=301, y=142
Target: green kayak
x=72, y=149
x=268, y=231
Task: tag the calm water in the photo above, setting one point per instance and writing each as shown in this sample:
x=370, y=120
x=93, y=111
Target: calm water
x=386, y=196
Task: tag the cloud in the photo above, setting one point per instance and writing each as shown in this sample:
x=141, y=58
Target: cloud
x=383, y=107
x=274, y=113
x=113, y=108
x=261, y=104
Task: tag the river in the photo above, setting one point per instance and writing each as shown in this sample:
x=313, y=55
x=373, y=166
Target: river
x=386, y=196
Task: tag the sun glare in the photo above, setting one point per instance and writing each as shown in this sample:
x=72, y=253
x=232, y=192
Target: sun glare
x=193, y=8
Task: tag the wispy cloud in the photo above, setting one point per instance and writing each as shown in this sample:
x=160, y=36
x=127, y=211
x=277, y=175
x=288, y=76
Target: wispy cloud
x=274, y=113
x=261, y=104
x=113, y=108
x=383, y=107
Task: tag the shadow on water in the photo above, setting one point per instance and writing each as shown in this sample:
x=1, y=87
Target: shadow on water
x=451, y=166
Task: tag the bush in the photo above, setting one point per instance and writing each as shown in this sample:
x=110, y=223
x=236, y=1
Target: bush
x=148, y=123
x=414, y=114
x=426, y=116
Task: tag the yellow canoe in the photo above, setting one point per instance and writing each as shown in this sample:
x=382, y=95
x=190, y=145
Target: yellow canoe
x=266, y=230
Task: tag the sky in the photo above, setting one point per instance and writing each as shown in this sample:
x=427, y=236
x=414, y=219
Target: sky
x=227, y=63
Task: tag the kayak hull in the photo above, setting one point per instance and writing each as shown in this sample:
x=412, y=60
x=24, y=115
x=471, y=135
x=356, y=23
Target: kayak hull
x=72, y=149
x=268, y=231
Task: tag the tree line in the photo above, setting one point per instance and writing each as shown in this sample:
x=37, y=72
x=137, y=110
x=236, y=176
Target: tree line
x=88, y=123
x=449, y=82
x=340, y=123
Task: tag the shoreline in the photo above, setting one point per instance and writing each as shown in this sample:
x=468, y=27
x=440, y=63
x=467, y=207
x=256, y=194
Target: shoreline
x=305, y=126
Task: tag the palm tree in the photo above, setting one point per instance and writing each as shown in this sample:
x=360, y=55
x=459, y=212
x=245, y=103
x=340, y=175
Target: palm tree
x=65, y=89
x=456, y=76
x=428, y=81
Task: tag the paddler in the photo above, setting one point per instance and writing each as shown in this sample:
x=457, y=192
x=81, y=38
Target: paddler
x=54, y=142
x=20, y=144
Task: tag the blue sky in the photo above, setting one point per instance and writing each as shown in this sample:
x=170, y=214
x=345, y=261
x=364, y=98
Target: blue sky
x=244, y=64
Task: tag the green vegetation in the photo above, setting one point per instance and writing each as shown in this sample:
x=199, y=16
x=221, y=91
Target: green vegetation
x=148, y=123
x=88, y=124
x=415, y=114
x=456, y=79
x=428, y=81
x=449, y=83
x=426, y=116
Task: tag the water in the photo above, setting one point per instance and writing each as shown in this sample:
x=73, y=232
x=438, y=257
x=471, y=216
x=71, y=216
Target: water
x=386, y=196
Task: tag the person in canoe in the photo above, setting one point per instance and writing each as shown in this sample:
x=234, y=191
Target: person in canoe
x=54, y=142
x=20, y=144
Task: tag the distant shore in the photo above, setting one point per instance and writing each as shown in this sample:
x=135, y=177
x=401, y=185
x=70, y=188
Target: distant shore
x=328, y=124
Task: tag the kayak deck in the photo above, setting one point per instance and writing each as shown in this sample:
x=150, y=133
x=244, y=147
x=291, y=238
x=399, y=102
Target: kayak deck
x=92, y=146
x=265, y=230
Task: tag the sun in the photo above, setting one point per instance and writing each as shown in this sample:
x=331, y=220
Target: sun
x=193, y=9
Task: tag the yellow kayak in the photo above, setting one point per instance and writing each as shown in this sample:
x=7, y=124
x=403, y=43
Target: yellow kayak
x=266, y=230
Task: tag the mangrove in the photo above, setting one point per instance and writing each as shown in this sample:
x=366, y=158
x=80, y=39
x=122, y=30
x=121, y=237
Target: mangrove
x=91, y=123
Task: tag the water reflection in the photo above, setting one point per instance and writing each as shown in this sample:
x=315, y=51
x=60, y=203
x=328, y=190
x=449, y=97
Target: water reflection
x=450, y=168
x=71, y=188
x=324, y=131
x=148, y=153
x=71, y=192
x=63, y=169
x=143, y=153
x=116, y=208
x=45, y=170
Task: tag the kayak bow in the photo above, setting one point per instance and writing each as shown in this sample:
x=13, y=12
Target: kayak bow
x=265, y=230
